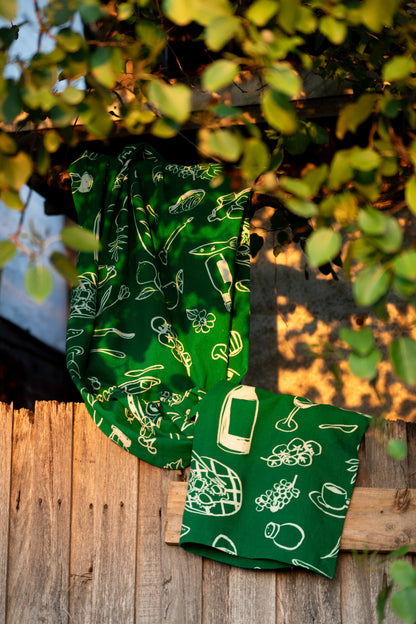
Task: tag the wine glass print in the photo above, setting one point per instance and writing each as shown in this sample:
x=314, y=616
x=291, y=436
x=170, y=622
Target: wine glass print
x=288, y=423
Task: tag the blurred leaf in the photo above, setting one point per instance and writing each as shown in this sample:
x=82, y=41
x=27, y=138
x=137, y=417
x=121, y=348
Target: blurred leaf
x=220, y=31
x=361, y=341
x=219, y=74
x=340, y=169
x=410, y=194
x=297, y=142
x=38, y=282
x=371, y=284
x=403, y=358
x=15, y=170
x=51, y=141
x=69, y=40
x=364, y=159
x=402, y=572
x=174, y=101
x=353, y=115
x=403, y=603
x=405, y=265
x=94, y=114
x=178, y=11
x=302, y=207
x=90, y=10
x=153, y=37
x=7, y=252
x=76, y=237
x=261, y=11
x=377, y=14
x=382, y=600
x=372, y=222
x=8, y=145
x=165, y=128
x=391, y=240
x=72, y=96
x=334, y=30
x=8, y=35
x=225, y=144
x=8, y=9
x=106, y=65
x=398, y=450
x=279, y=112
x=398, y=68
x=317, y=133
x=314, y=178
x=12, y=103
x=64, y=267
x=255, y=158
x=12, y=199
x=296, y=186
x=206, y=12
x=323, y=245
x=282, y=77
x=58, y=12
x=365, y=366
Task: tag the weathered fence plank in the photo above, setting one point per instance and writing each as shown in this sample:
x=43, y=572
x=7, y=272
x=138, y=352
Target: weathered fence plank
x=6, y=427
x=38, y=563
x=103, y=529
x=169, y=583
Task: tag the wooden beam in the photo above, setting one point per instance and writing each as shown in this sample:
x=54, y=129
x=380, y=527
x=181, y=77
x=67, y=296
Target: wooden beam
x=381, y=519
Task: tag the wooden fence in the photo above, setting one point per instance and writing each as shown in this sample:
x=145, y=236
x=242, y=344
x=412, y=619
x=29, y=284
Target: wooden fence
x=82, y=537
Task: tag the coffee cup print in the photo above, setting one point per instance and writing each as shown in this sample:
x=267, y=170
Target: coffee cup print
x=332, y=500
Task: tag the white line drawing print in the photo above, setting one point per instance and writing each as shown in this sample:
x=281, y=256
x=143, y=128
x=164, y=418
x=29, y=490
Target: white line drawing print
x=184, y=530
x=141, y=381
x=175, y=465
x=168, y=337
x=297, y=452
x=334, y=552
x=163, y=253
x=119, y=355
x=224, y=543
x=188, y=201
x=81, y=183
x=143, y=231
x=222, y=351
x=91, y=400
x=288, y=423
x=72, y=354
x=204, y=171
x=99, y=333
x=218, y=269
x=201, y=320
x=214, y=489
x=120, y=438
x=281, y=495
x=237, y=420
x=229, y=206
x=353, y=463
x=288, y=536
x=117, y=245
x=148, y=274
x=147, y=428
x=342, y=427
x=96, y=232
x=332, y=500
x=123, y=293
x=308, y=566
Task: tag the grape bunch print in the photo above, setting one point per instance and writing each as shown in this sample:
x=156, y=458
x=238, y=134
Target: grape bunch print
x=281, y=495
x=296, y=452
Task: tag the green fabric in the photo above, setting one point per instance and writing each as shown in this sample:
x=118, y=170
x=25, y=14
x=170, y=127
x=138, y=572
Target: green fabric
x=160, y=314
x=271, y=479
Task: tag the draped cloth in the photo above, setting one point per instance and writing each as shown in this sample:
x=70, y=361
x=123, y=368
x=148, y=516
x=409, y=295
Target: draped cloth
x=161, y=311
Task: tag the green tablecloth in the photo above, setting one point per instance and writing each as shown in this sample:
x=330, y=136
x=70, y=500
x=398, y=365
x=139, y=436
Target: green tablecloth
x=161, y=311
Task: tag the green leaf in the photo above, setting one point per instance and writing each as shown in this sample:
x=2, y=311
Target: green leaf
x=402, y=572
x=361, y=341
x=334, y=30
x=69, y=40
x=371, y=284
x=398, y=68
x=51, y=141
x=38, y=282
x=376, y=14
x=405, y=265
x=15, y=170
x=354, y=114
x=226, y=144
x=174, y=101
x=165, y=128
x=206, y=12
x=90, y=10
x=64, y=267
x=410, y=194
x=261, y=11
x=365, y=159
x=391, y=240
x=255, y=158
x=220, y=31
x=58, y=12
x=282, y=77
x=314, y=178
x=8, y=145
x=403, y=357
x=302, y=207
x=8, y=9
x=398, y=450
x=106, y=65
x=94, y=114
x=322, y=246
x=381, y=601
x=297, y=142
x=12, y=199
x=340, y=170
x=279, y=112
x=365, y=367
x=12, y=103
x=372, y=222
x=76, y=237
x=179, y=11
x=317, y=133
x=219, y=74
x=295, y=186
x=403, y=603
x=7, y=252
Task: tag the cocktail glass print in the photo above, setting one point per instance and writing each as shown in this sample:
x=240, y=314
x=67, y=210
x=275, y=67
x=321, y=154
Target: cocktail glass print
x=237, y=420
x=288, y=423
x=288, y=536
x=332, y=500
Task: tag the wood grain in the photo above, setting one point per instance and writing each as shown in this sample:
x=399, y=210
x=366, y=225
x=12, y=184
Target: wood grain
x=40, y=514
x=6, y=427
